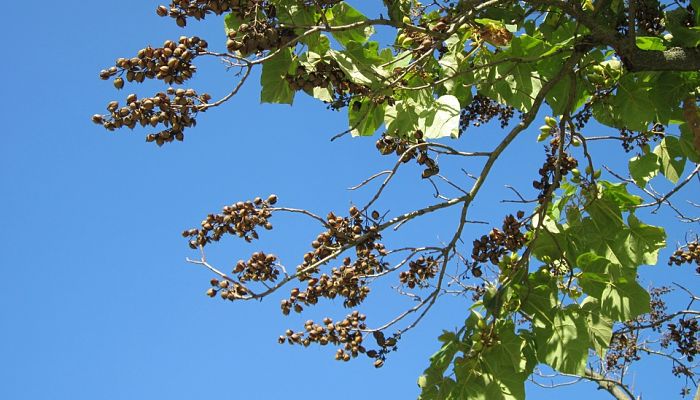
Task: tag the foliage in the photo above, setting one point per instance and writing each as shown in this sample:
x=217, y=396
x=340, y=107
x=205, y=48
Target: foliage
x=558, y=284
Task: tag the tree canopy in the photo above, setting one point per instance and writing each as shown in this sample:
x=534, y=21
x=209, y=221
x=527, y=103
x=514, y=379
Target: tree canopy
x=557, y=284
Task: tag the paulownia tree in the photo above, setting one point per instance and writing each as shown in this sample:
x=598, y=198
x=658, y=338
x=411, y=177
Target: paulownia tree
x=556, y=285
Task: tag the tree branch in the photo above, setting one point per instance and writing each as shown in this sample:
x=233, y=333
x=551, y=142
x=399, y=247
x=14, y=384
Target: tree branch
x=615, y=388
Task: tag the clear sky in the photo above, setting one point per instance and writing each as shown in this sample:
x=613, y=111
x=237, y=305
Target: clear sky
x=96, y=300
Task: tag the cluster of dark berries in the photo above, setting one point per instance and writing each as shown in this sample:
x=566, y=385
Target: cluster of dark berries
x=346, y=333
x=685, y=335
x=226, y=289
x=547, y=171
x=622, y=351
x=240, y=219
x=419, y=272
x=650, y=17
x=175, y=109
x=582, y=117
x=631, y=139
x=688, y=254
x=259, y=35
x=347, y=281
x=171, y=63
x=402, y=148
x=491, y=247
x=481, y=110
x=259, y=268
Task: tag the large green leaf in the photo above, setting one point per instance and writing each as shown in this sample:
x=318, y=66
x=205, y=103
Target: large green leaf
x=344, y=14
x=365, y=117
x=617, y=192
x=671, y=158
x=433, y=384
x=650, y=43
x=275, y=88
x=442, y=119
x=514, y=82
x=632, y=104
x=629, y=246
x=643, y=242
x=539, y=297
x=599, y=325
x=564, y=345
x=505, y=366
x=401, y=118
x=621, y=297
x=644, y=168
x=360, y=64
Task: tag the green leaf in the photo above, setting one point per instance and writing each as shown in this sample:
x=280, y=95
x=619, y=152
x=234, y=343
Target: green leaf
x=539, y=297
x=629, y=246
x=513, y=83
x=344, y=14
x=644, y=168
x=617, y=192
x=323, y=94
x=275, y=88
x=290, y=12
x=401, y=118
x=442, y=119
x=621, y=297
x=650, y=43
x=599, y=326
x=632, y=104
x=365, y=117
x=552, y=242
x=605, y=218
x=434, y=385
x=564, y=345
x=643, y=242
x=358, y=63
x=667, y=90
x=671, y=158
x=398, y=9
x=504, y=365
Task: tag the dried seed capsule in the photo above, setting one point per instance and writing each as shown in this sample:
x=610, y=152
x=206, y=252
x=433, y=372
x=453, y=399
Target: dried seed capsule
x=162, y=11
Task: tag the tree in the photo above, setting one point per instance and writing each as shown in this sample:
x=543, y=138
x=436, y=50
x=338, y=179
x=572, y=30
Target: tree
x=556, y=285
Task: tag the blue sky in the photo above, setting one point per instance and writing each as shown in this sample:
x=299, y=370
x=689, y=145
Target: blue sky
x=96, y=299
